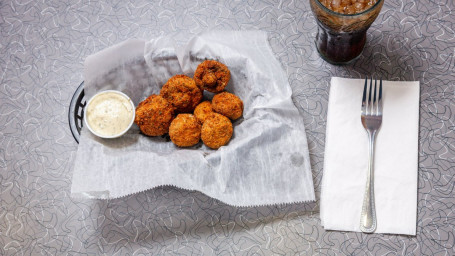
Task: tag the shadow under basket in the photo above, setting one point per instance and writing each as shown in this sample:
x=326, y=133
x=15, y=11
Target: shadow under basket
x=76, y=112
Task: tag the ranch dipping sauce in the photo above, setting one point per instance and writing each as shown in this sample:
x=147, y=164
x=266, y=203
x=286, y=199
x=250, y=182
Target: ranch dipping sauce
x=109, y=114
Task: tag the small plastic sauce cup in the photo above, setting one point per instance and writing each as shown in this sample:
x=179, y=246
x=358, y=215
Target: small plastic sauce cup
x=109, y=114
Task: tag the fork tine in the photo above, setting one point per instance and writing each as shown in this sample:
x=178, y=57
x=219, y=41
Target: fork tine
x=364, y=98
x=375, y=103
x=369, y=107
x=380, y=98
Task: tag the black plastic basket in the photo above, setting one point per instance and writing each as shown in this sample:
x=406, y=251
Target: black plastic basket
x=76, y=112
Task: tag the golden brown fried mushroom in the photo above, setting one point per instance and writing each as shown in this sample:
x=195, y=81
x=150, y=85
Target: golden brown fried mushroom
x=154, y=115
x=228, y=105
x=216, y=131
x=181, y=91
x=203, y=111
x=212, y=76
x=185, y=130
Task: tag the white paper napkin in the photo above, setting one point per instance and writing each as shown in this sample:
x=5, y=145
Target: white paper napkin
x=396, y=158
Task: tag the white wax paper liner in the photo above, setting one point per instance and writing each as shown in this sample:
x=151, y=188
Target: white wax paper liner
x=266, y=162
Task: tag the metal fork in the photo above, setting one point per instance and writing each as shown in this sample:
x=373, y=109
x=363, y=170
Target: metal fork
x=371, y=120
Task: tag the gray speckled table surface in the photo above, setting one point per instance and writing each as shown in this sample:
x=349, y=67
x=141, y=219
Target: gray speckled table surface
x=42, y=48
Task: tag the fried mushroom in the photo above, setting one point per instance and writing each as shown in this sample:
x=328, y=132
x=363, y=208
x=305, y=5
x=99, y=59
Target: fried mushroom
x=216, y=131
x=212, y=76
x=228, y=105
x=181, y=91
x=203, y=111
x=185, y=130
x=154, y=115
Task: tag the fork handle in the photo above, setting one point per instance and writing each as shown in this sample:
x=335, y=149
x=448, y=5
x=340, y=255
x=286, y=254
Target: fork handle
x=368, y=215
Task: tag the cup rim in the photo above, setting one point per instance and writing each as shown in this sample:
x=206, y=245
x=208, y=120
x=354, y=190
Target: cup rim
x=347, y=15
x=116, y=135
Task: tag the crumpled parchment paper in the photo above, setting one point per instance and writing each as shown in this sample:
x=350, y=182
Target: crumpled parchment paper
x=266, y=161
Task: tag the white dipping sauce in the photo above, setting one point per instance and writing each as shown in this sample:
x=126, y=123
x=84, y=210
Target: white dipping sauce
x=109, y=114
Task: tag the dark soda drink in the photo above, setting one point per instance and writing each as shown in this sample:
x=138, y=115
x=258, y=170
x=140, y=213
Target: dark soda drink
x=340, y=48
x=341, y=37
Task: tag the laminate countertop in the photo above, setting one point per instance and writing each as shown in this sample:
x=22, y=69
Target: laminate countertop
x=43, y=45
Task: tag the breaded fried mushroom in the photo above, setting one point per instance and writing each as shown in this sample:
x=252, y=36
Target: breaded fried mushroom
x=228, y=105
x=181, y=91
x=185, y=130
x=203, y=111
x=216, y=131
x=212, y=76
x=154, y=115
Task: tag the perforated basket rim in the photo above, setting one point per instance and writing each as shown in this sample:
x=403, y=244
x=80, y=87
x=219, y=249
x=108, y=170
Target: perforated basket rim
x=73, y=112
